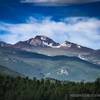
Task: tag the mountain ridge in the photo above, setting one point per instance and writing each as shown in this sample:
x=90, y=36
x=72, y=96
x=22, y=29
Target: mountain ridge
x=44, y=45
x=41, y=38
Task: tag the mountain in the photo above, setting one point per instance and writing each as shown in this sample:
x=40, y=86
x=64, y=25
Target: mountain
x=46, y=42
x=42, y=66
x=4, y=44
x=38, y=41
x=45, y=45
x=73, y=46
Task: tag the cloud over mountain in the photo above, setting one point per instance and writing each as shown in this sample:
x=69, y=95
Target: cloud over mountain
x=80, y=30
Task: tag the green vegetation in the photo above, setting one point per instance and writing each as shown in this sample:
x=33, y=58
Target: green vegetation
x=45, y=89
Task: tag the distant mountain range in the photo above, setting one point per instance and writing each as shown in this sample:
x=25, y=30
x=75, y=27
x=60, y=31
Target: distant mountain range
x=44, y=45
x=43, y=41
x=42, y=57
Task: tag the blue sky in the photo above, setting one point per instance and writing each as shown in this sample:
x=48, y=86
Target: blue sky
x=77, y=22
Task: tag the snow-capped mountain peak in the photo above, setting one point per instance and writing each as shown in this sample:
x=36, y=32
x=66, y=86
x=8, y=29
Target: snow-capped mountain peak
x=44, y=41
x=68, y=44
x=38, y=41
x=41, y=37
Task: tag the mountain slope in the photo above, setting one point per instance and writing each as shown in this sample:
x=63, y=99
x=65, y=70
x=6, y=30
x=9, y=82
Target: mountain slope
x=42, y=66
x=4, y=44
x=7, y=71
x=44, y=45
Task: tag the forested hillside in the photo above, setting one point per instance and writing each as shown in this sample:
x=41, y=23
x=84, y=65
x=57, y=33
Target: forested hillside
x=49, y=89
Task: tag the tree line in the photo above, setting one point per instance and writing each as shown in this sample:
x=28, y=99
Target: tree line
x=46, y=89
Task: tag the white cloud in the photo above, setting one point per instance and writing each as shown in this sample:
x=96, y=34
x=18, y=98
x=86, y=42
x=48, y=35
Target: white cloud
x=80, y=30
x=57, y=2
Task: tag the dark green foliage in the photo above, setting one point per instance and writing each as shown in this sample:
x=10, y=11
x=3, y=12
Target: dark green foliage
x=45, y=89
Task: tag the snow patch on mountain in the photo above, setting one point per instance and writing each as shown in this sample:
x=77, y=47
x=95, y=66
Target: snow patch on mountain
x=43, y=38
x=65, y=44
x=78, y=46
x=50, y=45
x=62, y=71
x=80, y=56
x=56, y=46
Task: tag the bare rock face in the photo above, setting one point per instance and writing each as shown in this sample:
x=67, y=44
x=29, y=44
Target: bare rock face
x=46, y=41
x=34, y=42
x=38, y=41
